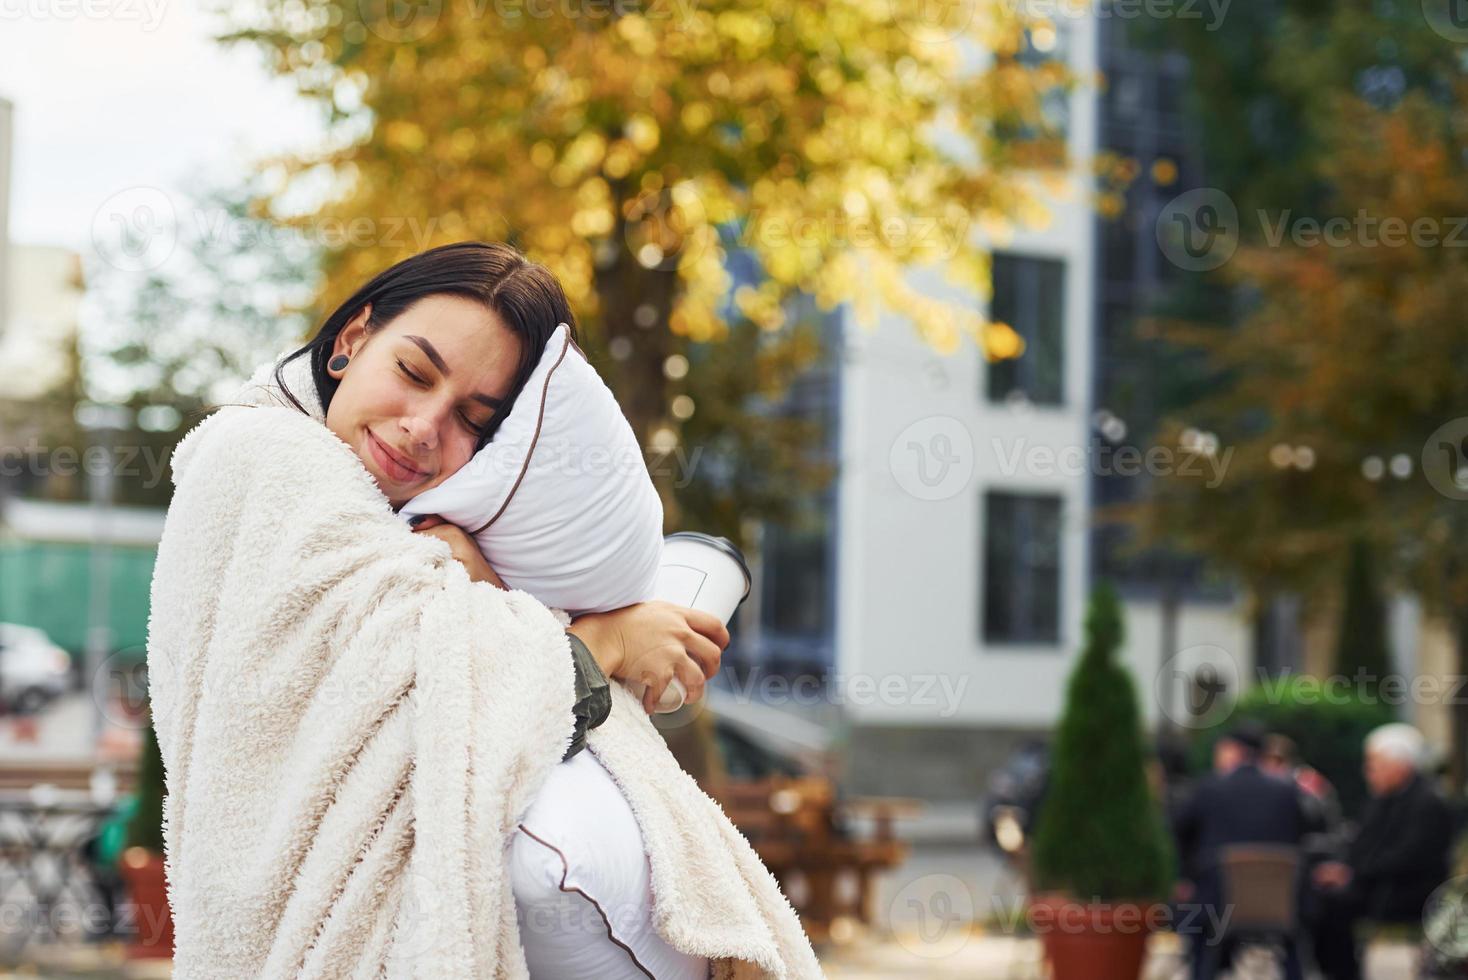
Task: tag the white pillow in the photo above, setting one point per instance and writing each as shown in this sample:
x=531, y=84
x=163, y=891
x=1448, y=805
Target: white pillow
x=560, y=500
x=583, y=884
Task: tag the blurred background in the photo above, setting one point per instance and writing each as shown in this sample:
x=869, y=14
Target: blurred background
x=1081, y=378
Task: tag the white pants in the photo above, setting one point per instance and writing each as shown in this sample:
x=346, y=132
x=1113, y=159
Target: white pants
x=583, y=885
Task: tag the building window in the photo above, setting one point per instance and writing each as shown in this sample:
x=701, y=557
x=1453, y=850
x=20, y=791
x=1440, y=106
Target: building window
x=797, y=579
x=1034, y=133
x=1021, y=600
x=1029, y=295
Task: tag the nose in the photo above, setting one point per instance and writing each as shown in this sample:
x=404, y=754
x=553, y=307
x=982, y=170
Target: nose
x=422, y=434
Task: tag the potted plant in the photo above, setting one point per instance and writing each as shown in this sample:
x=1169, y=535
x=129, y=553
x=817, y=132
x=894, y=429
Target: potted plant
x=142, y=858
x=1102, y=861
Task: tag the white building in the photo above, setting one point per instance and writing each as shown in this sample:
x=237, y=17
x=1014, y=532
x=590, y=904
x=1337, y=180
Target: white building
x=41, y=290
x=7, y=114
x=37, y=352
x=42, y=322
x=960, y=531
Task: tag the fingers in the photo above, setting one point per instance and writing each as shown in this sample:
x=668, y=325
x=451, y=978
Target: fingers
x=707, y=624
x=705, y=654
x=692, y=678
x=658, y=671
x=427, y=521
x=651, y=694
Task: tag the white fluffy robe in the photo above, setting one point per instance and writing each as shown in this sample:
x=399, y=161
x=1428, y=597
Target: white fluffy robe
x=351, y=729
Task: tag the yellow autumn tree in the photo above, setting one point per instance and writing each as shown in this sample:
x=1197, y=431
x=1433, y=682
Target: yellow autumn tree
x=633, y=145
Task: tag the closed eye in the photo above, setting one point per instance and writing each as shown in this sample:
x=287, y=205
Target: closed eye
x=476, y=428
x=416, y=380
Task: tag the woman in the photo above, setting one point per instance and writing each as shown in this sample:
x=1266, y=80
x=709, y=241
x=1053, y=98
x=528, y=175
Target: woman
x=351, y=722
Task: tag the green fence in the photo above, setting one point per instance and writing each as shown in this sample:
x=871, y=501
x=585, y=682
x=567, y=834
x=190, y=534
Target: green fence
x=48, y=584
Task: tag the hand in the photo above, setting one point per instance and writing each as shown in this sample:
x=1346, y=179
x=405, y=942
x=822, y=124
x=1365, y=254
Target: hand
x=1333, y=874
x=653, y=642
x=464, y=548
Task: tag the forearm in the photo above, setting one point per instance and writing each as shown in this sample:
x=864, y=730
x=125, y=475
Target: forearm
x=605, y=649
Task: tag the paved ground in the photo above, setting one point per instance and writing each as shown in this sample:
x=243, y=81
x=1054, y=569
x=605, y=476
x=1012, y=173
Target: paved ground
x=978, y=958
x=951, y=911
x=64, y=731
x=988, y=957
x=903, y=957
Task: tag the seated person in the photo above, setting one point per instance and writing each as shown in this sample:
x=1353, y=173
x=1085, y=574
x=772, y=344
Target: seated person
x=1397, y=858
x=1239, y=804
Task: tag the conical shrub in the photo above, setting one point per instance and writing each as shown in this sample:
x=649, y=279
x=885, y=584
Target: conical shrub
x=1100, y=833
x=145, y=829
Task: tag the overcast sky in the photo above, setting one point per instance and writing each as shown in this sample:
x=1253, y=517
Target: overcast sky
x=139, y=97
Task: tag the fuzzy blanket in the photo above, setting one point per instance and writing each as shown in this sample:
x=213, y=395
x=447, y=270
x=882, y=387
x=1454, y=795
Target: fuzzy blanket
x=351, y=730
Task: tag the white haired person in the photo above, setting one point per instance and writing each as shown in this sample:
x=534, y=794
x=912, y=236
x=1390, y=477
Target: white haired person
x=1398, y=857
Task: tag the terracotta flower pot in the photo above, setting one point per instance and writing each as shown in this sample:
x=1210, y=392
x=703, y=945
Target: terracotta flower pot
x=1094, y=940
x=148, y=889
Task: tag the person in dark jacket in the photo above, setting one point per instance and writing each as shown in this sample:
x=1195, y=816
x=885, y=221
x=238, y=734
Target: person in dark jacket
x=1397, y=858
x=1239, y=804
x=1281, y=757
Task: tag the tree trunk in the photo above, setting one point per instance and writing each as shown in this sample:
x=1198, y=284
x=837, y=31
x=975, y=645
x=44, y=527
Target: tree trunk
x=623, y=288
x=1458, y=710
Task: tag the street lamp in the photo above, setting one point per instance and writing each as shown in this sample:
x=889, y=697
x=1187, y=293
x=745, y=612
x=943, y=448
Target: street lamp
x=101, y=422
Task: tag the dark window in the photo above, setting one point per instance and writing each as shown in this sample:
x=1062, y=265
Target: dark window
x=797, y=577
x=797, y=600
x=1021, y=568
x=1029, y=295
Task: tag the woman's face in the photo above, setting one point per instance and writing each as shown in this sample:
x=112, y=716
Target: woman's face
x=416, y=394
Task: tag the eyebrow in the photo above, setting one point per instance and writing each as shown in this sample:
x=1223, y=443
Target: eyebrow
x=443, y=368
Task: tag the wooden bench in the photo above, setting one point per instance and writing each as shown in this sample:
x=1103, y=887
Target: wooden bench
x=797, y=827
x=66, y=774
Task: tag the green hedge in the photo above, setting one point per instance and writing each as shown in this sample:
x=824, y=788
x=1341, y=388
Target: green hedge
x=1328, y=726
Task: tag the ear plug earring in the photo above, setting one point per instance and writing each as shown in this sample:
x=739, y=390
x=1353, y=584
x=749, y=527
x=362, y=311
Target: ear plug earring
x=338, y=363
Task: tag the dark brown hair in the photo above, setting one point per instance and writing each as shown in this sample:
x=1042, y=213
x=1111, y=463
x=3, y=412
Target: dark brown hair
x=525, y=295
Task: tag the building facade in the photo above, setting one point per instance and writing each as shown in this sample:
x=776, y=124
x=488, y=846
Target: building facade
x=7, y=117
x=959, y=546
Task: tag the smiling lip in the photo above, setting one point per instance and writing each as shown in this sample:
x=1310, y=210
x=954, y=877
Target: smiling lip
x=391, y=463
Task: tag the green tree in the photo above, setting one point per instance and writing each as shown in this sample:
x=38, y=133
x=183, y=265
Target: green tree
x=1264, y=80
x=176, y=339
x=1100, y=833
x=49, y=421
x=1324, y=110
x=1362, y=650
x=1338, y=392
